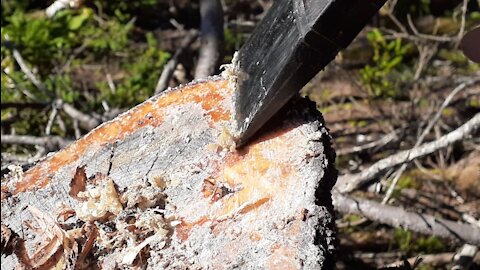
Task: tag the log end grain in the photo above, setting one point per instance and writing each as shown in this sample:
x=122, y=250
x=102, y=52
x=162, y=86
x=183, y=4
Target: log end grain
x=162, y=186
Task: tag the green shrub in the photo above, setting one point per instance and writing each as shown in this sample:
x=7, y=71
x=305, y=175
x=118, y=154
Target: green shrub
x=387, y=74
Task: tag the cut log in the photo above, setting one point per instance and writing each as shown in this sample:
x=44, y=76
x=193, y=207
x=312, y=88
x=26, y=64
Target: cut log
x=163, y=187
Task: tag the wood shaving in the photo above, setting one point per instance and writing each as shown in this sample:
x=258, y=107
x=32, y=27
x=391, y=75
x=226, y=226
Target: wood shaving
x=231, y=71
x=226, y=140
x=143, y=197
x=152, y=221
x=101, y=202
x=14, y=176
x=91, y=233
x=49, y=253
x=78, y=183
x=132, y=252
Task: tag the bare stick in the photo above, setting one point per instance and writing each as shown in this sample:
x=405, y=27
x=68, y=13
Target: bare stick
x=51, y=119
x=169, y=68
x=462, y=23
x=351, y=182
x=424, y=133
x=87, y=121
x=381, y=142
x=426, y=36
x=61, y=4
x=212, y=38
x=110, y=83
x=399, y=217
x=78, y=134
x=49, y=142
x=396, y=22
x=24, y=67
x=60, y=123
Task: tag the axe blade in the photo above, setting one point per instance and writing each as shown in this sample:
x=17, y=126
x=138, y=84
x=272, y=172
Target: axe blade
x=292, y=43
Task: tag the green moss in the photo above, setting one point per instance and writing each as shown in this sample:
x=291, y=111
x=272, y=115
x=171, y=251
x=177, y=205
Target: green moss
x=407, y=182
x=352, y=218
x=475, y=103
x=424, y=103
x=357, y=123
x=447, y=112
x=342, y=161
x=409, y=244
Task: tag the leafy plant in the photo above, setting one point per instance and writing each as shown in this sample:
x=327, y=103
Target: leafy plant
x=384, y=78
x=57, y=49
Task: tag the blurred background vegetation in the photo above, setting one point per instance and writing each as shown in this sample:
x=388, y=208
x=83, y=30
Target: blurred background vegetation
x=102, y=57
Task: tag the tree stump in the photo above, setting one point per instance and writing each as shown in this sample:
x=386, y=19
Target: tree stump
x=163, y=186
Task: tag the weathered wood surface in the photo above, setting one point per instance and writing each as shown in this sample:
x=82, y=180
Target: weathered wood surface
x=183, y=197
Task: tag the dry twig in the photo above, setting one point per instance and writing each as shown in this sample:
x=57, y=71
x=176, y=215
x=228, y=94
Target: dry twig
x=51, y=119
x=381, y=142
x=49, y=142
x=461, y=31
x=26, y=70
x=212, y=38
x=61, y=4
x=351, y=182
x=427, y=130
x=86, y=121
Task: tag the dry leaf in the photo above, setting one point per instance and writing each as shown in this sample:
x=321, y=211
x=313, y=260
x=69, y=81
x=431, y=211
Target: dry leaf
x=92, y=233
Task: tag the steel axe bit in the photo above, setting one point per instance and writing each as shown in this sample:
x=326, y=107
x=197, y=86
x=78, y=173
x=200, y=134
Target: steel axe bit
x=292, y=43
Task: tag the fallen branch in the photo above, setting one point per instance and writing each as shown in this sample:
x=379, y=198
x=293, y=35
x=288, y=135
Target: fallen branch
x=351, y=182
x=169, y=68
x=212, y=38
x=399, y=217
x=49, y=142
x=461, y=31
